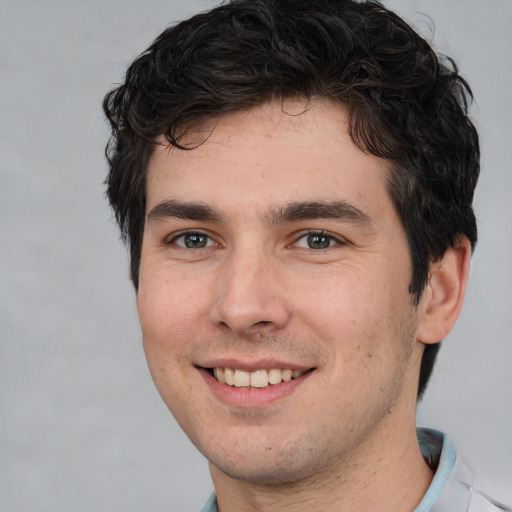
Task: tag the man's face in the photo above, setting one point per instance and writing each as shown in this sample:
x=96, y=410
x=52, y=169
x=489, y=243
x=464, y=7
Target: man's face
x=274, y=247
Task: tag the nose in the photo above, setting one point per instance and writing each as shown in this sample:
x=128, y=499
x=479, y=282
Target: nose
x=249, y=297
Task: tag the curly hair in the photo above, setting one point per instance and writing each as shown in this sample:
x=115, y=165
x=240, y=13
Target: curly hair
x=405, y=104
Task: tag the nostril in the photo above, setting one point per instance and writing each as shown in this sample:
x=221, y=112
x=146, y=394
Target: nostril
x=244, y=308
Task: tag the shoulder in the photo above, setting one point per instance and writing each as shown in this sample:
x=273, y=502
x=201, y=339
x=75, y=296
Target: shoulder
x=453, y=488
x=480, y=502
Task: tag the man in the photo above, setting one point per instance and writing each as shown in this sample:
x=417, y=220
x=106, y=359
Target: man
x=294, y=180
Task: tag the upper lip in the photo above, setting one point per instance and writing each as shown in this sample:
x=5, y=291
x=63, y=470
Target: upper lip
x=251, y=366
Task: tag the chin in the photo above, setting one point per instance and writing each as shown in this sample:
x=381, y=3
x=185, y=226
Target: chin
x=267, y=475
x=272, y=465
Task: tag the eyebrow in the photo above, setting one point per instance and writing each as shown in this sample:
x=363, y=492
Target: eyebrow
x=292, y=212
x=340, y=210
x=179, y=210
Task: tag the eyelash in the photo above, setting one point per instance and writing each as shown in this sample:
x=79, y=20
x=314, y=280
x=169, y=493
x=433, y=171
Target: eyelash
x=331, y=239
x=209, y=241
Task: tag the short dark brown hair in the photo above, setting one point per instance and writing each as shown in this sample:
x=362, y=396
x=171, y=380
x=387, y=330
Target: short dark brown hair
x=405, y=103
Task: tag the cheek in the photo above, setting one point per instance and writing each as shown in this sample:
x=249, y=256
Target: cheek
x=169, y=307
x=341, y=303
x=360, y=321
x=165, y=334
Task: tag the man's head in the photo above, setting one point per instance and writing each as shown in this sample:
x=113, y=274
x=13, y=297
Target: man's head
x=402, y=104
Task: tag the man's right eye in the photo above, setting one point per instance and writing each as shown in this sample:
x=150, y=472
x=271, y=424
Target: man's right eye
x=193, y=240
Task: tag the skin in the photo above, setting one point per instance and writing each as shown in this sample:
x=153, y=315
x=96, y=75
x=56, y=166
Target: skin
x=258, y=292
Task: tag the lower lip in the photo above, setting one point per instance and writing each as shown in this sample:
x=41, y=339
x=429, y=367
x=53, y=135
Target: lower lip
x=250, y=398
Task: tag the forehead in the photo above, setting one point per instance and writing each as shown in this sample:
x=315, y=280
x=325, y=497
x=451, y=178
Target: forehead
x=267, y=156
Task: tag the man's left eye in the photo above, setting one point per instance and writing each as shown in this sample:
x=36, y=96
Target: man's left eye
x=193, y=240
x=316, y=241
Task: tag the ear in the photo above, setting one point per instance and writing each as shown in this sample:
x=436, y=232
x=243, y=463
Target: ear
x=443, y=296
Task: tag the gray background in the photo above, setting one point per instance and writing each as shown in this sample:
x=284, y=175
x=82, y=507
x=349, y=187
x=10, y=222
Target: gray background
x=82, y=427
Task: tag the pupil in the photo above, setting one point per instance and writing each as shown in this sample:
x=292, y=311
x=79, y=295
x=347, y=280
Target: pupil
x=318, y=241
x=193, y=241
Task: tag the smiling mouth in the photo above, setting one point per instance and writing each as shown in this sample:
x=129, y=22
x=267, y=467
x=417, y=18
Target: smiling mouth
x=257, y=379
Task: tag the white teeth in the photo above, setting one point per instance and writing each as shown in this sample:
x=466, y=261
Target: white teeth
x=242, y=379
x=275, y=376
x=260, y=379
x=219, y=375
x=229, y=376
x=286, y=375
x=257, y=379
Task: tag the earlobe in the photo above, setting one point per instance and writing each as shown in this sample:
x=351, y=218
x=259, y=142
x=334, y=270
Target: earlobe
x=443, y=296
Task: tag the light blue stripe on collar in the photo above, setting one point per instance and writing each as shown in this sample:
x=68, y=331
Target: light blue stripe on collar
x=211, y=504
x=435, y=445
